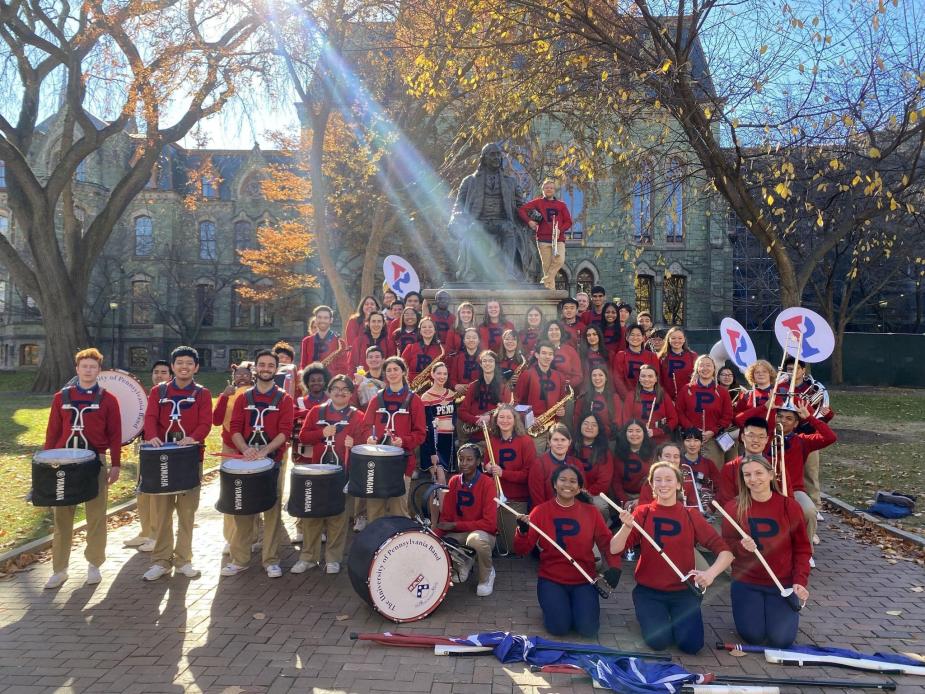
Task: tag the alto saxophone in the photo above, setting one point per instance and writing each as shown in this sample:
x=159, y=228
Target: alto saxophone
x=544, y=422
x=341, y=346
x=423, y=381
x=512, y=381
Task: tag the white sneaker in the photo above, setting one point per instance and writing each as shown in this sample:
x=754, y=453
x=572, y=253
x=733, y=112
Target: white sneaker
x=463, y=571
x=232, y=569
x=815, y=539
x=226, y=549
x=136, y=541
x=273, y=571
x=190, y=571
x=155, y=572
x=298, y=539
x=359, y=524
x=147, y=546
x=485, y=589
x=332, y=567
x=819, y=517
x=257, y=546
x=56, y=580
x=300, y=567
x=93, y=575
x=812, y=563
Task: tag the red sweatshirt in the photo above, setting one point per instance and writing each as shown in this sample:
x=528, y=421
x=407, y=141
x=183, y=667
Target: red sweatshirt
x=778, y=528
x=490, y=335
x=418, y=355
x=363, y=342
x=278, y=421
x=315, y=348
x=591, y=316
x=479, y=400
x=595, y=360
x=754, y=403
x=598, y=476
x=310, y=433
x=538, y=390
x=516, y=458
x=707, y=477
x=551, y=209
x=629, y=475
x=677, y=530
x=528, y=340
x=443, y=322
x=401, y=338
x=195, y=411
x=302, y=405
x=464, y=368
x=102, y=427
x=596, y=403
x=705, y=407
x=409, y=426
x=675, y=370
x=354, y=328
x=624, y=367
x=574, y=330
x=664, y=420
x=470, y=505
x=567, y=363
x=540, y=478
x=614, y=338
x=577, y=529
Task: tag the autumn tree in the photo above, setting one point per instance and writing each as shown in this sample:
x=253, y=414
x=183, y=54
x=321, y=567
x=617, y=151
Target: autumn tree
x=151, y=69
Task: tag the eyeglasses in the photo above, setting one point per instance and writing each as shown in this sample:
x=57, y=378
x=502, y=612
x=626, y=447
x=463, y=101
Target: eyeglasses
x=755, y=435
x=340, y=391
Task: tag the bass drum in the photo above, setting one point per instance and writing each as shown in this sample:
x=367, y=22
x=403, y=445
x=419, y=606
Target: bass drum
x=397, y=567
x=132, y=397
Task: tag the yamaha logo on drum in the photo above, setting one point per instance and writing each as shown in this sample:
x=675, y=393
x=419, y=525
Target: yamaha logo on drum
x=371, y=465
x=59, y=486
x=60, y=473
x=238, y=482
x=165, y=474
x=163, y=458
x=307, y=506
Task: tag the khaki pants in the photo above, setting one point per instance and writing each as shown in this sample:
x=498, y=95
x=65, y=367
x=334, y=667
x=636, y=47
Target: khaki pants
x=811, y=478
x=551, y=263
x=168, y=550
x=95, y=552
x=334, y=527
x=507, y=523
x=393, y=506
x=809, y=513
x=245, y=530
x=712, y=451
x=146, y=516
x=483, y=544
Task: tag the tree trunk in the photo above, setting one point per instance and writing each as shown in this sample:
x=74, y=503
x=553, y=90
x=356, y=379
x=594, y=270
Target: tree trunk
x=836, y=376
x=380, y=227
x=65, y=334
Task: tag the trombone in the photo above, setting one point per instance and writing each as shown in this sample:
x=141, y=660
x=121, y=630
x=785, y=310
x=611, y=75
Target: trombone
x=555, y=235
x=687, y=469
x=778, y=456
x=503, y=545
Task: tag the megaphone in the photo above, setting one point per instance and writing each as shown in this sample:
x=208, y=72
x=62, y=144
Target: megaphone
x=719, y=355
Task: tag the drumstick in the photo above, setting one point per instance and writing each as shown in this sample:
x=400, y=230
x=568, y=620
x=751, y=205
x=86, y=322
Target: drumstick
x=674, y=567
x=239, y=456
x=491, y=458
x=784, y=592
x=587, y=576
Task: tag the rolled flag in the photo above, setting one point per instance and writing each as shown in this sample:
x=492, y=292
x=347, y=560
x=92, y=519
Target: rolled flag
x=889, y=663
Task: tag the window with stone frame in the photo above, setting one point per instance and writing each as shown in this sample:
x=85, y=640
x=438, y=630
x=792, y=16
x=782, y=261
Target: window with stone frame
x=243, y=236
x=642, y=210
x=29, y=355
x=240, y=310
x=584, y=280
x=4, y=225
x=138, y=358
x=645, y=289
x=205, y=303
x=80, y=175
x=562, y=283
x=237, y=355
x=2, y=174
x=674, y=204
x=141, y=300
x=207, y=187
x=574, y=199
x=205, y=357
x=674, y=299
x=208, y=249
x=144, y=236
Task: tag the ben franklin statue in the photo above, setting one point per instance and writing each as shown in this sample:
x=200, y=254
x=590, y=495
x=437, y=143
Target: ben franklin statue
x=493, y=243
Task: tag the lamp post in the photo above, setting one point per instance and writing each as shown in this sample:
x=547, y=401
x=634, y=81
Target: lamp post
x=114, y=306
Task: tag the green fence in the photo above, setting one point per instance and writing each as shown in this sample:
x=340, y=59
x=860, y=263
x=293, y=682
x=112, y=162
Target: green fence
x=870, y=359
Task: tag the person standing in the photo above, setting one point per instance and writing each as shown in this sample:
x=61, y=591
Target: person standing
x=323, y=343
x=84, y=415
x=179, y=410
x=545, y=215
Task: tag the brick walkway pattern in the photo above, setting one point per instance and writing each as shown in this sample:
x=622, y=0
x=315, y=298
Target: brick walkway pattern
x=249, y=633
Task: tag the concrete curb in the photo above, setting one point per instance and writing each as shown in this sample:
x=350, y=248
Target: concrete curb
x=873, y=520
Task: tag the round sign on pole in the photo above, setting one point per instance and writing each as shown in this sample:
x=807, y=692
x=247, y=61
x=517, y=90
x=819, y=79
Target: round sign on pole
x=818, y=339
x=738, y=344
x=400, y=276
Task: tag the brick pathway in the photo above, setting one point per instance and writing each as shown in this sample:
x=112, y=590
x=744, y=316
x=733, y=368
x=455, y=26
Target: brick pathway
x=252, y=634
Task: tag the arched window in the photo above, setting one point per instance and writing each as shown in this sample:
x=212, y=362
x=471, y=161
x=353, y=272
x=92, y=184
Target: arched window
x=2, y=174
x=141, y=299
x=243, y=235
x=562, y=283
x=29, y=355
x=574, y=199
x=584, y=280
x=138, y=357
x=645, y=287
x=4, y=225
x=674, y=295
x=207, y=247
x=674, y=230
x=642, y=210
x=144, y=236
x=205, y=303
x=207, y=186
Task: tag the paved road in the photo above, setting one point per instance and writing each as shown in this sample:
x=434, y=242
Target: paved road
x=252, y=634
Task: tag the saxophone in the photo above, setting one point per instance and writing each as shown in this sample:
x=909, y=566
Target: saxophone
x=544, y=422
x=512, y=381
x=423, y=381
x=472, y=428
x=341, y=346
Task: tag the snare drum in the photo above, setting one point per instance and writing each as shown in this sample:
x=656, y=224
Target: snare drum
x=399, y=569
x=247, y=486
x=65, y=477
x=427, y=500
x=377, y=471
x=168, y=469
x=316, y=491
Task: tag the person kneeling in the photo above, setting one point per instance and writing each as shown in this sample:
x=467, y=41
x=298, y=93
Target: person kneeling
x=469, y=513
x=569, y=602
x=667, y=611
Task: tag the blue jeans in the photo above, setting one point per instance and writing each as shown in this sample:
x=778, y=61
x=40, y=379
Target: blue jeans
x=669, y=617
x=569, y=607
x=762, y=616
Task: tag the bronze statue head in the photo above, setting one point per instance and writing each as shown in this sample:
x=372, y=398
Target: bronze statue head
x=491, y=157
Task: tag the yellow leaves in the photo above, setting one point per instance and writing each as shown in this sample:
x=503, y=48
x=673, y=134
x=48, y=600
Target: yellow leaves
x=604, y=76
x=783, y=190
x=820, y=222
x=763, y=49
x=770, y=199
x=666, y=65
x=835, y=165
x=874, y=153
x=847, y=120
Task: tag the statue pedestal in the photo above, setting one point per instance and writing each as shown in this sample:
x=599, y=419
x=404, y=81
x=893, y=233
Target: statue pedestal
x=515, y=299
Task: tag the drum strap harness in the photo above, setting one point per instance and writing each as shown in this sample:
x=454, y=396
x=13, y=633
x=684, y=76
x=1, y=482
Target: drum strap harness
x=390, y=416
x=329, y=450
x=77, y=438
x=179, y=435
x=258, y=436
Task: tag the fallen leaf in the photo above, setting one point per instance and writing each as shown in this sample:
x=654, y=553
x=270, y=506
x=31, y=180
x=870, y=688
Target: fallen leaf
x=737, y=653
x=894, y=613
x=918, y=589
x=259, y=615
x=342, y=617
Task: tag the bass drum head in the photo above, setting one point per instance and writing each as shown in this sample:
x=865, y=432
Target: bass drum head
x=239, y=466
x=426, y=500
x=400, y=570
x=132, y=397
